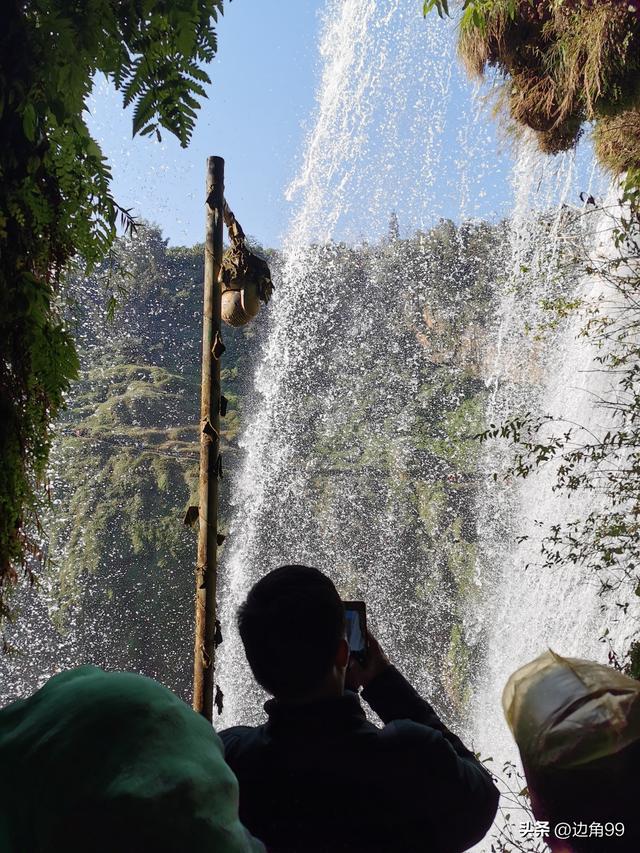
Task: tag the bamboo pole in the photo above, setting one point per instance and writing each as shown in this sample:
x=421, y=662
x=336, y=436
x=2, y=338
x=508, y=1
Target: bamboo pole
x=212, y=348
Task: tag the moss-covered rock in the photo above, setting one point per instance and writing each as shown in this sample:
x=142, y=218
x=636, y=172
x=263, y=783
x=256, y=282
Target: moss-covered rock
x=565, y=63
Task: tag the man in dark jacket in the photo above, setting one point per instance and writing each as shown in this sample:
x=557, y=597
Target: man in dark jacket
x=318, y=777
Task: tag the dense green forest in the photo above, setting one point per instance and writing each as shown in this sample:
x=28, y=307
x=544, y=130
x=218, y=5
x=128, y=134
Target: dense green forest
x=56, y=205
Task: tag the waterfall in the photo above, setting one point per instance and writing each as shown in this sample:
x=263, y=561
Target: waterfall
x=341, y=382
x=358, y=454
x=326, y=480
x=528, y=607
x=384, y=108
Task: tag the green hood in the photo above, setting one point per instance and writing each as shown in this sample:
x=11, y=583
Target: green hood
x=111, y=761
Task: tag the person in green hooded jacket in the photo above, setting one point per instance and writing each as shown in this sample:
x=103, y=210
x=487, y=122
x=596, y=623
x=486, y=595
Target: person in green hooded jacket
x=112, y=762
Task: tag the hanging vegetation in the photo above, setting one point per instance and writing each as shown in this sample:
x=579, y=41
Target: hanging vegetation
x=564, y=63
x=617, y=142
x=55, y=197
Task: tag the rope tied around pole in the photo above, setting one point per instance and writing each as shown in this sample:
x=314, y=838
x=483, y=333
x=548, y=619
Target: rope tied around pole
x=234, y=229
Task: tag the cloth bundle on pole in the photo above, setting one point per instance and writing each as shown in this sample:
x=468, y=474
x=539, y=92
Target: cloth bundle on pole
x=245, y=277
x=577, y=726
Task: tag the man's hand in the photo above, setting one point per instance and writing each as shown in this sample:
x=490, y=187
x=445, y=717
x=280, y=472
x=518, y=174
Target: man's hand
x=360, y=676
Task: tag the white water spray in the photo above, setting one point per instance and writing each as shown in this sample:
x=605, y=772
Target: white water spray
x=528, y=607
x=377, y=145
x=384, y=109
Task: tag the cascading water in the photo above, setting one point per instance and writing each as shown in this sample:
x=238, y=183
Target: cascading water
x=380, y=358
x=335, y=346
x=333, y=441
x=530, y=607
x=342, y=380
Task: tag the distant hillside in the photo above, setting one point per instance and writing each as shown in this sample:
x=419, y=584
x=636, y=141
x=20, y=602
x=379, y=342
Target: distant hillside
x=120, y=582
x=119, y=585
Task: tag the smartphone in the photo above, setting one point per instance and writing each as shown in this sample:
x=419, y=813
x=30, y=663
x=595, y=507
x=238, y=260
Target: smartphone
x=356, y=618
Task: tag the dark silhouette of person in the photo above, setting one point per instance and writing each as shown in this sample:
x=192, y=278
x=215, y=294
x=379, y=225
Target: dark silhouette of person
x=318, y=776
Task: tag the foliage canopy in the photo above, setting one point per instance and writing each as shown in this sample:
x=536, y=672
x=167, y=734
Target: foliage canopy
x=55, y=199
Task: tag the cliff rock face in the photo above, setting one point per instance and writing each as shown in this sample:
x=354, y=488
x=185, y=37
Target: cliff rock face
x=365, y=449
x=118, y=588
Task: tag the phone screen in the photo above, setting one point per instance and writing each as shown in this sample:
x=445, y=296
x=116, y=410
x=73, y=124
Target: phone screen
x=356, y=619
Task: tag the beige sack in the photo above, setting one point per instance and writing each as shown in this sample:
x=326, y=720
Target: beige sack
x=566, y=712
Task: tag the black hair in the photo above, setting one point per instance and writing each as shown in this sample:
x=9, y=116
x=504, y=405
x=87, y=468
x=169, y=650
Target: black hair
x=291, y=625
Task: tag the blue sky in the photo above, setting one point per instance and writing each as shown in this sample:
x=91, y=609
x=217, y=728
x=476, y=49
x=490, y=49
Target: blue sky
x=263, y=84
x=262, y=106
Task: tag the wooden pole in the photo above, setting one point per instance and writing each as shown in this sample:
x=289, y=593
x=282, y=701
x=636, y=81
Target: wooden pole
x=212, y=348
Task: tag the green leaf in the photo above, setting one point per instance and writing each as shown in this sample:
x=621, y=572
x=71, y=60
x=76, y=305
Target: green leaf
x=29, y=120
x=185, y=39
x=93, y=149
x=441, y=6
x=198, y=73
x=144, y=111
